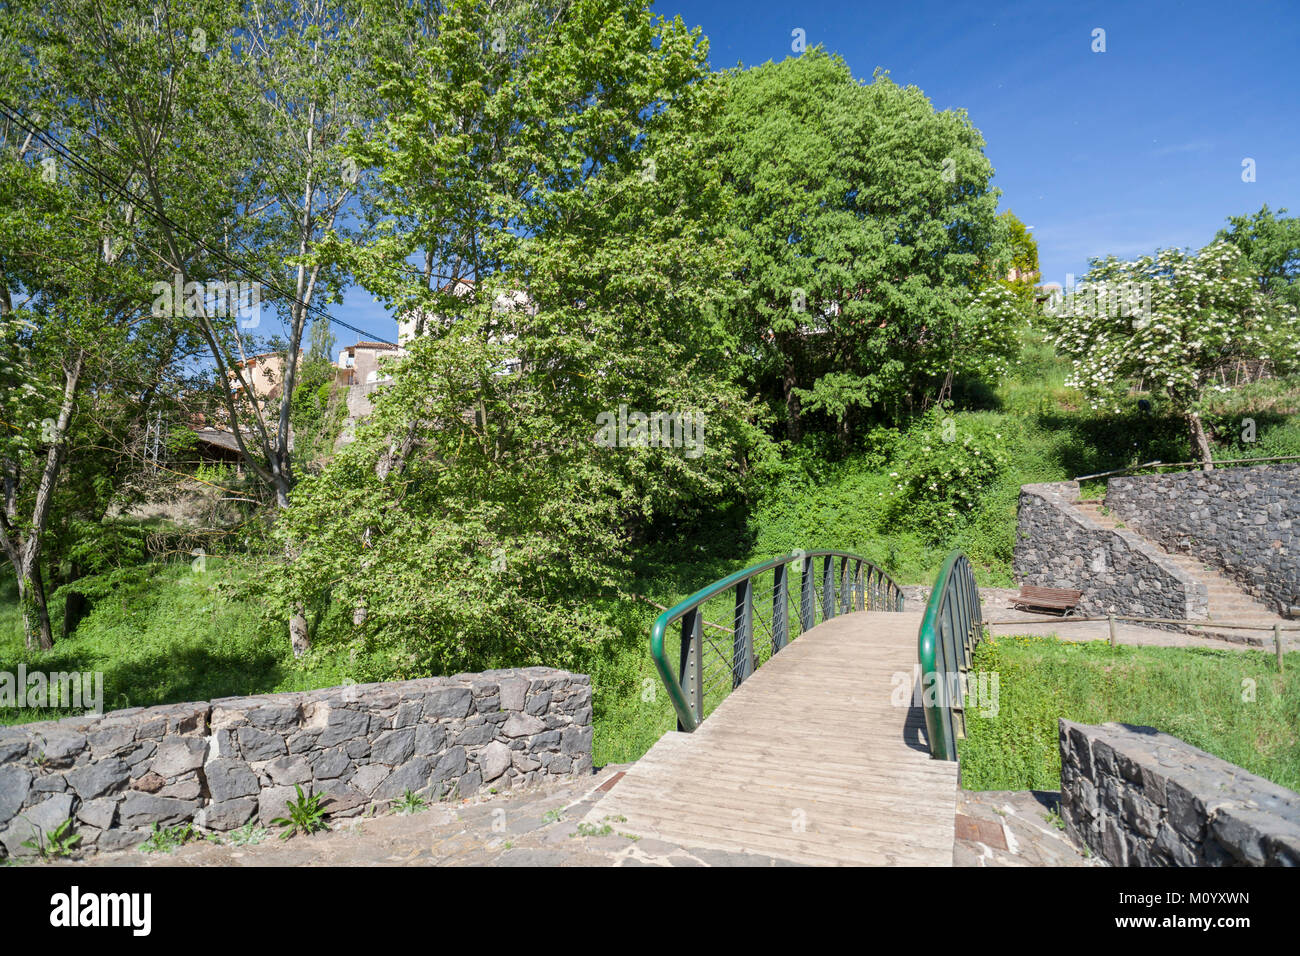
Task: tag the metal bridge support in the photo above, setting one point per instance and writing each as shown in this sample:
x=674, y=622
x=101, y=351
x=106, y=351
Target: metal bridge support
x=691, y=670
x=742, y=659
x=780, y=608
x=828, y=588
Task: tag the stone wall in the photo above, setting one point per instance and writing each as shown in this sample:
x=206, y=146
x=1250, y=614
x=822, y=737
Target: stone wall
x=1058, y=546
x=222, y=764
x=1139, y=797
x=1245, y=521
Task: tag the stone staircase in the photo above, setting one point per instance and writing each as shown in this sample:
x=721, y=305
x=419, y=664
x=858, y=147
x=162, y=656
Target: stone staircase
x=1227, y=600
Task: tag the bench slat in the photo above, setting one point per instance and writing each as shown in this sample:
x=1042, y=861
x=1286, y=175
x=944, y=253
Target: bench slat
x=1057, y=599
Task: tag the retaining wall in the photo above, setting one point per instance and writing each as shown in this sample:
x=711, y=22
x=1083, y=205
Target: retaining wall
x=1244, y=521
x=1058, y=546
x=222, y=764
x=1139, y=797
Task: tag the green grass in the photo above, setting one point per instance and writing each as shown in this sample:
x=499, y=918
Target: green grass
x=1191, y=693
x=175, y=635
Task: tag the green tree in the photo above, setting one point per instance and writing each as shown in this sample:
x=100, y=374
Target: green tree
x=322, y=342
x=484, y=514
x=866, y=225
x=1023, y=271
x=225, y=121
x=1270, y=243
x=82, y=362
x=1171, y=320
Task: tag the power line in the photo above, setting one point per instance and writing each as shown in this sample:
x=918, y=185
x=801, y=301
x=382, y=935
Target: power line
x=17, y=117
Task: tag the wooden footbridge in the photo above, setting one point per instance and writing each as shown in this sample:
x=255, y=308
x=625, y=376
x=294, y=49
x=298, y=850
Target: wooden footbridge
x=829, y=749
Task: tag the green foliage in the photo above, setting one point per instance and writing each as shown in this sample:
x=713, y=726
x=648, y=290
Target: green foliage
x=867, y=226
x=60, y=843
x=1171, y=321
x=410, y=802
x=1197, y=695
x=945, y=467
x=316, y=413
x=167, y=839
x=162, y=634
x=478, y=520
x=1270, y=244
x=306, y=815
x=250, y=834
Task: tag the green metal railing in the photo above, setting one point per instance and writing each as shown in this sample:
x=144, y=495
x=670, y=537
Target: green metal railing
x=950, y=629
x=711, y=658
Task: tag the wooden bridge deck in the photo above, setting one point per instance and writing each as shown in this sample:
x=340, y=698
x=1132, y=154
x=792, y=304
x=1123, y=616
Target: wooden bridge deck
x=808, y=760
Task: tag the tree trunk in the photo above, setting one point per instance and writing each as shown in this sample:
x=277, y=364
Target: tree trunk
x=299, y=637
x=1200, y=444
x=793, y=423
x=36, y=615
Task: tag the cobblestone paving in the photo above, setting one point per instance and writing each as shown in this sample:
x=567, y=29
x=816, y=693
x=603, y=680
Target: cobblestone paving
x=537, y=826
x=540, y=826
x=1021, y=827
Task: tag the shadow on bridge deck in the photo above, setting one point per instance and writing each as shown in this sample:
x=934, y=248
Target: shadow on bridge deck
x=811, y=760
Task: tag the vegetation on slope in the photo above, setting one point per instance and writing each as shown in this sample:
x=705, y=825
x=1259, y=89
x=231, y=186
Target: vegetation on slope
x=1233, y=704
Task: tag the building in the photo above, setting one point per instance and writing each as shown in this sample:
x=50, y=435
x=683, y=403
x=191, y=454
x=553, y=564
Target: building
x=360, y=364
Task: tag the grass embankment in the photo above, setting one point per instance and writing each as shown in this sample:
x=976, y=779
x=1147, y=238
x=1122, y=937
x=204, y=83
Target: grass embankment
x=174, y=635
x=1233, y=704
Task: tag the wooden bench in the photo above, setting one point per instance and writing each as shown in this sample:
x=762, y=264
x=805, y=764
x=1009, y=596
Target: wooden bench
x=1047, y=599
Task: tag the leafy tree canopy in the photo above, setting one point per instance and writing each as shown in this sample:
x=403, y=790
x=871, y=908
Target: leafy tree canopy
x=866, y=225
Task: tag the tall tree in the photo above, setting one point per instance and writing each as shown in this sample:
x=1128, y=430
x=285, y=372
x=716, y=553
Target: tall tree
x=1172, y=319
x=867, y=225
x=227, y=120
x=491, y=500
x=81, y=358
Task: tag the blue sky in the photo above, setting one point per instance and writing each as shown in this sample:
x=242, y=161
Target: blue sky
x=1118, y=152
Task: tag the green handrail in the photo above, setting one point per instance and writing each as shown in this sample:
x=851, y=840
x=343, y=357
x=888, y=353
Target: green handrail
x=868, y=588
x=950, y=630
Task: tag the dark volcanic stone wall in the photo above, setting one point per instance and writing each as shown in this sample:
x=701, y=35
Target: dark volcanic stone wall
x=1058, y=546
x=1244, y=521
x=1139, y=797
x=222, y=764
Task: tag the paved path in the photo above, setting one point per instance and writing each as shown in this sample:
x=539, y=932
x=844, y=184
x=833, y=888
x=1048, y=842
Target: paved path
x=541, y=825
x=810, y=760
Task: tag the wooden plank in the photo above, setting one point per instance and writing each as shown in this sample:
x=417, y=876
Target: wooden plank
x=812, y=730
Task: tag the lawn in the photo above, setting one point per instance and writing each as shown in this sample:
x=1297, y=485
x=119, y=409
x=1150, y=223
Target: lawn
x=1233, y=704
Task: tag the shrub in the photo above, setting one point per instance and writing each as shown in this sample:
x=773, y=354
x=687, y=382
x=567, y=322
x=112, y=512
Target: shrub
x=945, y=467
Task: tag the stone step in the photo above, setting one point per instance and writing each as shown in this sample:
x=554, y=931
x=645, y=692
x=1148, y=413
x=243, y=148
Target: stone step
x=1227, y=601
x=1233, y=636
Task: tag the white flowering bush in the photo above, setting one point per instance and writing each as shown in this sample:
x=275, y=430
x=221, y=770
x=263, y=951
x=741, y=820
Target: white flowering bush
x=945, y=466
x=1195, y=313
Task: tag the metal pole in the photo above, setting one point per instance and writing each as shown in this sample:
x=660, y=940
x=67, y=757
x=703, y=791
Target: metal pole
x=742, y=647
x=780, y=608
x=807, y=599
x=828, y=588
x=844, y=607
x=691, y=670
